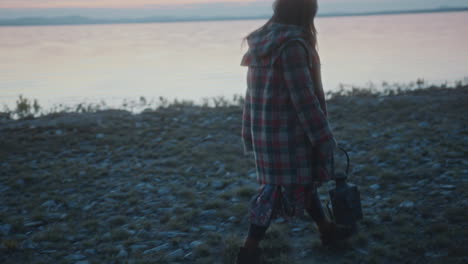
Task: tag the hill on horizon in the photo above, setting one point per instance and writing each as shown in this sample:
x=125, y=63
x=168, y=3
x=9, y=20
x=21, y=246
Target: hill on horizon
x=78, y=19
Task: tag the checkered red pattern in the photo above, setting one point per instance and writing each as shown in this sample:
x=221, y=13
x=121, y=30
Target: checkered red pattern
x=284, y=120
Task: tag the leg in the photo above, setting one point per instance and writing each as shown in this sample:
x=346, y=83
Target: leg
x=256, y=234
x=251, y=253
x=261, y=210
x=315, y=210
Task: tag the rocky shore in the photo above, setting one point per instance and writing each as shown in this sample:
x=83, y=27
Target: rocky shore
x=172, y=185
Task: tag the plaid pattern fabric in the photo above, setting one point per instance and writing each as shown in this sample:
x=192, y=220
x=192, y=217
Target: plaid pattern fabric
x=283, y=122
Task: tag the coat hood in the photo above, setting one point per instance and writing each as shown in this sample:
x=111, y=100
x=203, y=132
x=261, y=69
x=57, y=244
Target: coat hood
x=264, y=45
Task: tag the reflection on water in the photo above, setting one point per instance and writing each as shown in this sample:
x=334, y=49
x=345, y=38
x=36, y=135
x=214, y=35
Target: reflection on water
x=192, y=60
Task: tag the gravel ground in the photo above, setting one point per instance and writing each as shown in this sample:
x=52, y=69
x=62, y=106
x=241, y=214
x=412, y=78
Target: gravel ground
x=172, y=185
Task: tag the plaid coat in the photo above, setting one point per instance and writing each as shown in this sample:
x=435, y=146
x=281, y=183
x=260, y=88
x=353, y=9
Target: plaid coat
x=284, y=119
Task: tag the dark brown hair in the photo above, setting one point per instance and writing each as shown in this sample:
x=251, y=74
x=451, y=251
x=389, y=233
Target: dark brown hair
x=296, y=12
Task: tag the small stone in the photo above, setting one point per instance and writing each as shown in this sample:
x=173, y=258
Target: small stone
x=296, y=229
x=171, y=234
x=28, y=244
x=407, y=204
x=20, y=182
x=371, y=178
x=49, y=251
x=217, y=184
x=446, y=193
x=362, y=251
x=253, y=175
x=448, y=187
x=107, y=236
x=209, y=227
x=189, y=256
x=194, y=229
x=210, y=212
x=90, y=251
x=195, y=244
x=143, y=234
x=421, y=182
x=179, y=253
x=220, y=170
x=304, y=253
x=122, y=253
x=82, y=262
x=208, y=137
x=165, y=210
x=34, y=224
x=145, y=185
x=5, y=229
x=424, y=124
x=138, y=247
x=201, y=185
x=49, y=203
x=89, y=206
x=164, y=190
x=158, y=249
x=435, y=255
x=56, y=216
x=75, y=257
x=279, y=220
x=393, y=147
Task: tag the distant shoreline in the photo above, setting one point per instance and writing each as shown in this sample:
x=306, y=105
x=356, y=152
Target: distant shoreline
x=80, y=20
x=30, y=107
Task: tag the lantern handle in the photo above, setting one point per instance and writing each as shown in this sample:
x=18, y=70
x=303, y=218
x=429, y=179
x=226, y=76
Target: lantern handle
x=347, y=159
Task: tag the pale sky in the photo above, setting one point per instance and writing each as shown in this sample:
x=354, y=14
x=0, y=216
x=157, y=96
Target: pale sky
x=183, y=8
x=106, y=3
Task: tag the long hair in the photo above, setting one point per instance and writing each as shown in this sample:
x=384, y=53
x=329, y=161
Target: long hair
x=296, y=12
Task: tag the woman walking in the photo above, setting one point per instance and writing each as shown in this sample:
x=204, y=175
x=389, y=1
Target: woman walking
x=285, y=123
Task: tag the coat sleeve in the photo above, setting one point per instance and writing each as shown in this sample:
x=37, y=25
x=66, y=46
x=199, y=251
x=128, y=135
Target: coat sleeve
x=246, y=127
x=296, y=73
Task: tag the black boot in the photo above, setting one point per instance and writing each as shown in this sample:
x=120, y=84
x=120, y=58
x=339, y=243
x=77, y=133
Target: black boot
x=246, y=256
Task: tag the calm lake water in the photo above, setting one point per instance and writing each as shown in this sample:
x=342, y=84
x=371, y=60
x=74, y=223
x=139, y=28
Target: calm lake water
x=192, y=60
